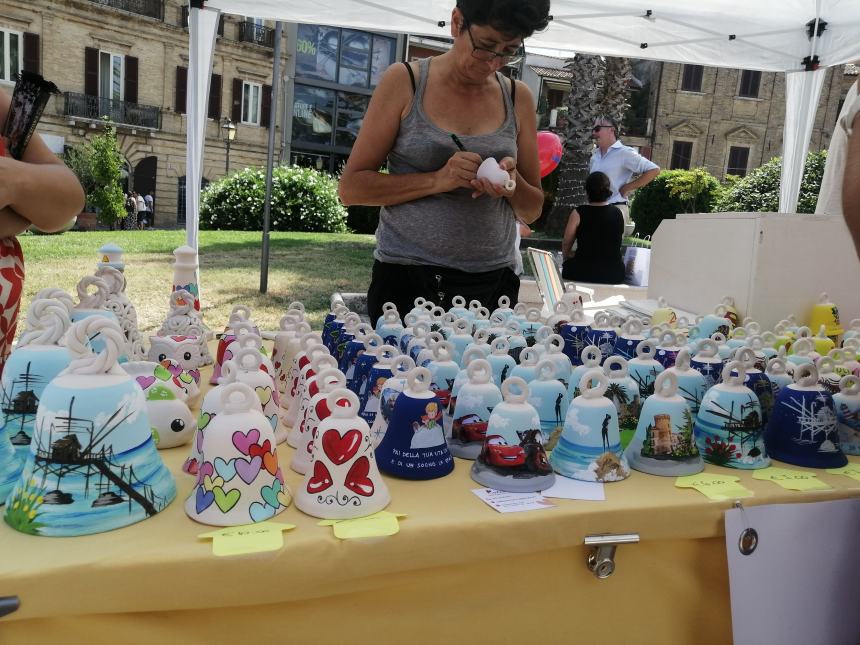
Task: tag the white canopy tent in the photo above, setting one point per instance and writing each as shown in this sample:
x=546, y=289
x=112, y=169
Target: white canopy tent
x=798, y=37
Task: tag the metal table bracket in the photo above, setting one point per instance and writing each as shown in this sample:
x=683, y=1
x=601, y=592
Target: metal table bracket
x=9, y=604
x=601, y=559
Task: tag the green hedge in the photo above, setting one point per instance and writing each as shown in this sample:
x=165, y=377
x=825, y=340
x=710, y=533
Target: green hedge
x=759, y=190
x=655, y=202
x=303, y=199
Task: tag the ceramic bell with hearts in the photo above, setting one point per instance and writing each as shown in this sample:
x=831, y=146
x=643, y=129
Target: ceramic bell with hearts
x=513, y=458
x=92, y=464
x=590, y=444
x=302, y=365
x=329, y=380
x=239, y=480
x=287, y=355
x=663, y=443
x=240, y=314
x=847, y=404
x=343, y=481
x=312, y=385
x=287, y=326
x=210, y=407
x=413, y=446
x=248, y=372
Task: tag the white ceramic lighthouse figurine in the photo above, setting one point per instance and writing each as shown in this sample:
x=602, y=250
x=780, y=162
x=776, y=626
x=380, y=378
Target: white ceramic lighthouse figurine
x=185, y=273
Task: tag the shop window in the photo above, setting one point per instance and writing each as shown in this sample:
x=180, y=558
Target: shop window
x=317, y=52
x=682, y=155
x=313, y=114
x=739, y=157
x=350, y=115
x=749, y=85
x=691, y=78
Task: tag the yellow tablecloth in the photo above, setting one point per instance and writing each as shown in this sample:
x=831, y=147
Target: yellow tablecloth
x=457, y=571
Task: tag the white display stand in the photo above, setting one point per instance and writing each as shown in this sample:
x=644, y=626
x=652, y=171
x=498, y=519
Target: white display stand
x=772, y=264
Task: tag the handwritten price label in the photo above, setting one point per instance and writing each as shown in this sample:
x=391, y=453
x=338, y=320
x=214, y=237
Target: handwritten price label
x=248, y=538
x=791, y=479
x=717, y=488
x=376, y=525
x=851, y=470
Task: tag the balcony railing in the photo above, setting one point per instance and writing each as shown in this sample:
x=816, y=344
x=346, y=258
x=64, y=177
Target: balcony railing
x=95, y=108
x=250, y=32
x=151, y=8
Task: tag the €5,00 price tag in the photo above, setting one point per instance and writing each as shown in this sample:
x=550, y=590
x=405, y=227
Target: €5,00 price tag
x=852, y=470
x=717, y=488
x=249, y=538
x=791, y=479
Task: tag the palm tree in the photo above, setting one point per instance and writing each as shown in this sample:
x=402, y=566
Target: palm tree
x=583, y=105
x=616, y=93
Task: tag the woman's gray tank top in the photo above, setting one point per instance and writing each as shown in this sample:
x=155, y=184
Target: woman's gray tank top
x=448, y=229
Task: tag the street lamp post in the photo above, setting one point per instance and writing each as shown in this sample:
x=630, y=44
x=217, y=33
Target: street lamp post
x=229, y=129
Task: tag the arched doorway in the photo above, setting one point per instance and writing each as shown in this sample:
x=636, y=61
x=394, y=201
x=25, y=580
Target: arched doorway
x=125, y=176
x=144, y=180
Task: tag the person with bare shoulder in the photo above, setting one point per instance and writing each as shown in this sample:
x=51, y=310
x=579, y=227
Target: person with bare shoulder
x=442, y=231
x=37, y=189
x=850, y=123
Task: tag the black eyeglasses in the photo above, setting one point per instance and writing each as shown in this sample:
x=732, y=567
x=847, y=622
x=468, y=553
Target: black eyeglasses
x=487, y=55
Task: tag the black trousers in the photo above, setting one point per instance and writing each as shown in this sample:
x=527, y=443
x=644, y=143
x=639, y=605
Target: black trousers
x=402, y=283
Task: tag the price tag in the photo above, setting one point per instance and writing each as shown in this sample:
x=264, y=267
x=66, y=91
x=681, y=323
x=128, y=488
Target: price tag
x=248, y=538
x=851, y=470
x=717, y=488
x=791, y=479
x=376, y=525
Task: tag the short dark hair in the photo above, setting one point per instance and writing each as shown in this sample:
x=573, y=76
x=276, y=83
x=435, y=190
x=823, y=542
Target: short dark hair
x=514, y=18
x=608, y=119
x=597, y=187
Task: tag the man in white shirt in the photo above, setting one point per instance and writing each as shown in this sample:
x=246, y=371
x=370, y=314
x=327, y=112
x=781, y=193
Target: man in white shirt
x=619, y=163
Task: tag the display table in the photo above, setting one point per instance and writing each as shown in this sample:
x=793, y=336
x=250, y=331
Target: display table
x=458, y=571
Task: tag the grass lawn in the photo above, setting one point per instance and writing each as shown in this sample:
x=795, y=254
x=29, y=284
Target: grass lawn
x=302, y=266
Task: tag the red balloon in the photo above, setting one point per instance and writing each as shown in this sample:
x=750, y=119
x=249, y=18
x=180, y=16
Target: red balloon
x=549, y=151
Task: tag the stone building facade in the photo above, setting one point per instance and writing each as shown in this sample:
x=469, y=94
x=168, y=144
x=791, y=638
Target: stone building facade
x=128, y=59
x=731, y=121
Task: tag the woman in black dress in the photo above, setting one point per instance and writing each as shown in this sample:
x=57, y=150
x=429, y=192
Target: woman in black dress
x=597, y=229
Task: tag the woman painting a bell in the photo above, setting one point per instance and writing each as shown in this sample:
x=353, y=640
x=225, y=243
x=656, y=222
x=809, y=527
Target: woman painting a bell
x=443, y=231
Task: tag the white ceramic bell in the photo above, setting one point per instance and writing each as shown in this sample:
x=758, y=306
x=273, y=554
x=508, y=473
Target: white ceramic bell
x=249, y=372
x=343, y=481
x=393, y=386
x=495, y=174
x=172, y=421
x=329, y=380
x=513, y=457
x=239, y=480
x=847, y=404
x=691, y=385
x=472, y=407
x=320, y=360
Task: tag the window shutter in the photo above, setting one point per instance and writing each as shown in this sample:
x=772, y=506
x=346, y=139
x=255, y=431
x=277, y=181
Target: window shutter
x=265, y=111
x=236, y=111
x=221, y=25
x=181, y=89
x=31, y=53
x=215, y=97
x=91, y=71
x=130, y=79
x=183, y=17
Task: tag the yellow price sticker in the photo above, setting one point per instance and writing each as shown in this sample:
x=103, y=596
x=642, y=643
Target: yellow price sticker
x=791, y=479
x=852, y=470
x=248, y=538
x=717, y=488
x=376, y=525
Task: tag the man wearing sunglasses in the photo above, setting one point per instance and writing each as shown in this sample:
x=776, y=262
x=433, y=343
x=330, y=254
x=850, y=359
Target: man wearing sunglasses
x=620, y=163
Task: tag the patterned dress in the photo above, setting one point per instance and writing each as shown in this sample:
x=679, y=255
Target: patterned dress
x=11, y=287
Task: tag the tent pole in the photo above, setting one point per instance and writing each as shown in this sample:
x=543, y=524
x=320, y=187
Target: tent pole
x=270, y=158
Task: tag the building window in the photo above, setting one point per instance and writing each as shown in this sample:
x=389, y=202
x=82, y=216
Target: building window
x=739, y=157
x=313, y=114
x=251, y=103
x=682, y=155
x=11, y=54
x=691, y=78
x=343, y=56
x=750, y=82
x=110, y=76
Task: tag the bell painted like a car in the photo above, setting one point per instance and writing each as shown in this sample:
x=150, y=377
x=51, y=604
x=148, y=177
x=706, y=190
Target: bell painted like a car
x=512, y=458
